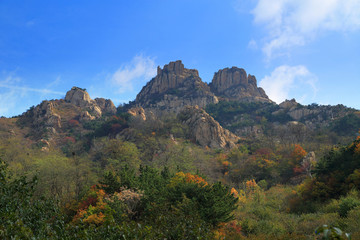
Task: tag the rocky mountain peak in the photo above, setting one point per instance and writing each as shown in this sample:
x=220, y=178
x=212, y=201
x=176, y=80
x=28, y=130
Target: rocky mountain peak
x=78, y=96
x=174, y=87
x=176, y=67
x=81, y=98
x=234, y=84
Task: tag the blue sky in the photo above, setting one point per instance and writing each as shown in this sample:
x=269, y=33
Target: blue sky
x=303, y=49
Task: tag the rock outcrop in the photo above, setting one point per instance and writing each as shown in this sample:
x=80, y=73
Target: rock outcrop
x=235, y=85
x=44, y=115
x=173, y=88
x=138, y=113
x=205, y=130
x=95, y=108
x=289, y=104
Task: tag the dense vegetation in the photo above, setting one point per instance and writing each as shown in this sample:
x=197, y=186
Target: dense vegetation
x=122, y=178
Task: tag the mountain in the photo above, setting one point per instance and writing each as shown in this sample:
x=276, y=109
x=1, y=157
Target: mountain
x=233, y=84
x=215, y=115
x=173, y=88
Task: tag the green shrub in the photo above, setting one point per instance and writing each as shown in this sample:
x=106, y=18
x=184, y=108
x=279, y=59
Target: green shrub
x=346, y=204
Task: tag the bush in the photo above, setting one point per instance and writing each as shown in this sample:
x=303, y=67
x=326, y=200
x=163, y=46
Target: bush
x=346, y=204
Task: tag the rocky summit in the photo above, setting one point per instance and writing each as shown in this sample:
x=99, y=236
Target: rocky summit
x=80, y=97
x=235, y=85
x=173, y=88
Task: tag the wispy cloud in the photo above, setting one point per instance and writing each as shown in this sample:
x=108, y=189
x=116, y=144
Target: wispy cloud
x=140, y=68
x=28, y=89
x=291, y=23
x=14, y=96
x=285, y=80
x=7, y=102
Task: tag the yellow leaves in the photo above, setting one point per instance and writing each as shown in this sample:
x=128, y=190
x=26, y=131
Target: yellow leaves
x=96, y=218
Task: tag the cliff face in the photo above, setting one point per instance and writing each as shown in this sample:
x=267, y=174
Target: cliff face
x=173, y=88
x=235, y=85
x=176, y=86
x=205, y=130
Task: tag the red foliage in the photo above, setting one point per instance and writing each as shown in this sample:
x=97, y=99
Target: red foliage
x=90, y=200
x=264, y=152
x=74, y=123
x=69, y=139
x=116, y=127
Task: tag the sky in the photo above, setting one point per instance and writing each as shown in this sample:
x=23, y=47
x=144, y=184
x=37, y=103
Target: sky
x=303, y=49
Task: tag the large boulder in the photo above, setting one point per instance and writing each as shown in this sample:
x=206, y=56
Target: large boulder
x=205, y=130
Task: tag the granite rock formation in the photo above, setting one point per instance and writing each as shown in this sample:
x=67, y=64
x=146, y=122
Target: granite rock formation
x=95, y=108
x=235, y=85
x=44, y=115
x=173, y=88
x=205, y=130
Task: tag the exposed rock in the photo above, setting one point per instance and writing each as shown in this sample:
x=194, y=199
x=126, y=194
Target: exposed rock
x=45, y=143
x=254, y=131
x=173, y=88
x=205, y=130
x=45, y=149
x=44, y=114
x=137, y=112
x=106, y=105
x=288, y=104
x=85, y=116
x=300, y=113
x=79, y=97
x=234, y=84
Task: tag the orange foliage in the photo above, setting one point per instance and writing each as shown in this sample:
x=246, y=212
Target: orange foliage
x=298, y=153
x=234, y=192
x=188, y=177
x=228, y=230
x=251, y=185
x=91, y=209
x=226, y=164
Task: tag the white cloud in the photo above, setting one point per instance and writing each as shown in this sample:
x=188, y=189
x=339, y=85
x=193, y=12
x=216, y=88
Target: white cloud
x=140, y=67
x=291, y=23
x=286, y=80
